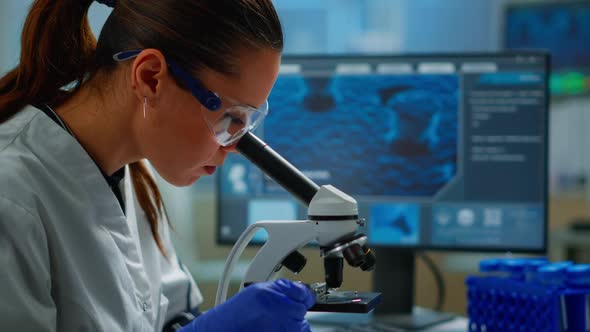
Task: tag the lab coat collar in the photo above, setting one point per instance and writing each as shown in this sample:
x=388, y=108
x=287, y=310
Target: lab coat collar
x=77, y=164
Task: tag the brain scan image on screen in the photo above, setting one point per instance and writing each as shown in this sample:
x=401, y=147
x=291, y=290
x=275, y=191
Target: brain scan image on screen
x=371, y=134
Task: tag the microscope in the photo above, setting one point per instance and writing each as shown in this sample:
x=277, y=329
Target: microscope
x=332, y=221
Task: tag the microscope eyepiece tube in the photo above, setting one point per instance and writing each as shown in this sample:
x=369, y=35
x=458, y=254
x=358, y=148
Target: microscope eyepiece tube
x=278, y=168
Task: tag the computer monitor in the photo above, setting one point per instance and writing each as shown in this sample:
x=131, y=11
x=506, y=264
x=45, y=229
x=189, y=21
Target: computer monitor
x=563, y=28
x=442, y=152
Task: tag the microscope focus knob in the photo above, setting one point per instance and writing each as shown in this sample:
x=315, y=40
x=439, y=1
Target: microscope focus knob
x=295, y=262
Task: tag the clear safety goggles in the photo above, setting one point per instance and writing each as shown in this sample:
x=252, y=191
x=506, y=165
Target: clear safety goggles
x=235, y=120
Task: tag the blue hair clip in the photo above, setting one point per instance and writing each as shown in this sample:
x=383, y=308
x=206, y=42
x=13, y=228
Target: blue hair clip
x=110, y=3
x=125, y=55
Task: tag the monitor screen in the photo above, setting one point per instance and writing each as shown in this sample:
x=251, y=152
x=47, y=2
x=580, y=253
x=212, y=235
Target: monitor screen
x=562, y=28
x=441, y=152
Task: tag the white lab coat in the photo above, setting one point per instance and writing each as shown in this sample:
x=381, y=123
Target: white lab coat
x=70, y=260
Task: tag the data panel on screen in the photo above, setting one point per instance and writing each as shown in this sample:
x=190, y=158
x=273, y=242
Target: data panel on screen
x=440, y=151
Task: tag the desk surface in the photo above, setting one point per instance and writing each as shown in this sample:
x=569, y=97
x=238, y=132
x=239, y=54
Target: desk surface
x=560, y=240
x=321, y=323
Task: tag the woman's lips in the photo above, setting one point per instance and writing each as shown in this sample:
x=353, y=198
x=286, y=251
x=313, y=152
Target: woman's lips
x=210, y=169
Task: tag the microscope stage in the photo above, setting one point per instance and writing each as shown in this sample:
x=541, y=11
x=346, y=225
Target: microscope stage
x=347, y=301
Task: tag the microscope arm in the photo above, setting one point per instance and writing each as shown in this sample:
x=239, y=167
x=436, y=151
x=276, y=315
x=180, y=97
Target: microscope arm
x=284, y=236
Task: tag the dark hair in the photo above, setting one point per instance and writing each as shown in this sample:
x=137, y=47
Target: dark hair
x=58, y=48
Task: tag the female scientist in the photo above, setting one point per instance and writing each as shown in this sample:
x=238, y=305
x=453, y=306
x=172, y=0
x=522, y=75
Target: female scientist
x=84, y=242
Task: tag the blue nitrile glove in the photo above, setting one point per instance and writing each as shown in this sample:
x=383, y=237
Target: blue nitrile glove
x=274, y=306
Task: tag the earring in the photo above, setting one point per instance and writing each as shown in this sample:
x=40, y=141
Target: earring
x=144, y=106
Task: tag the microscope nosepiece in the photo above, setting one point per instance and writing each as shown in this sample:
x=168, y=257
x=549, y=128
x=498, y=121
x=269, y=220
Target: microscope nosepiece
x=370, y=259
x=354, y=255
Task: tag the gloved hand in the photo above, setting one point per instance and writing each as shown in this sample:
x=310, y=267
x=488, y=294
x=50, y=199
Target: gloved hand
x=274, y=306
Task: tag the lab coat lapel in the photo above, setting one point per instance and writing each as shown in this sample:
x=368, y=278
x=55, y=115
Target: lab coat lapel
x=105, y=209
x=147, y=250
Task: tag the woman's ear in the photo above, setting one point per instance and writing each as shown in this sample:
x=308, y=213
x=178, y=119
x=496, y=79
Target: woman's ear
x=147, y=73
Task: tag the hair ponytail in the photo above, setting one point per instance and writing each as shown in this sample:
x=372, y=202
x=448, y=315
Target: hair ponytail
x=57, y=48
x=149, y=198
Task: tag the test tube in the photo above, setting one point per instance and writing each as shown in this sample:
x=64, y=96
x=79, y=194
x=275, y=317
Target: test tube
x=576, y=300
x=554, y=275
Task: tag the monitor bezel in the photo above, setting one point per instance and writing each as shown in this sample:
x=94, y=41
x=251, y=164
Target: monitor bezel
x=466, y=55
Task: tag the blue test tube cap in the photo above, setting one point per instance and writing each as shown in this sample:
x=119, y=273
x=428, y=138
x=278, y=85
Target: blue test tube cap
x=514, y=265
x=533, y=264
x=578, y=275
x=554, y=272
x=490, y=265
